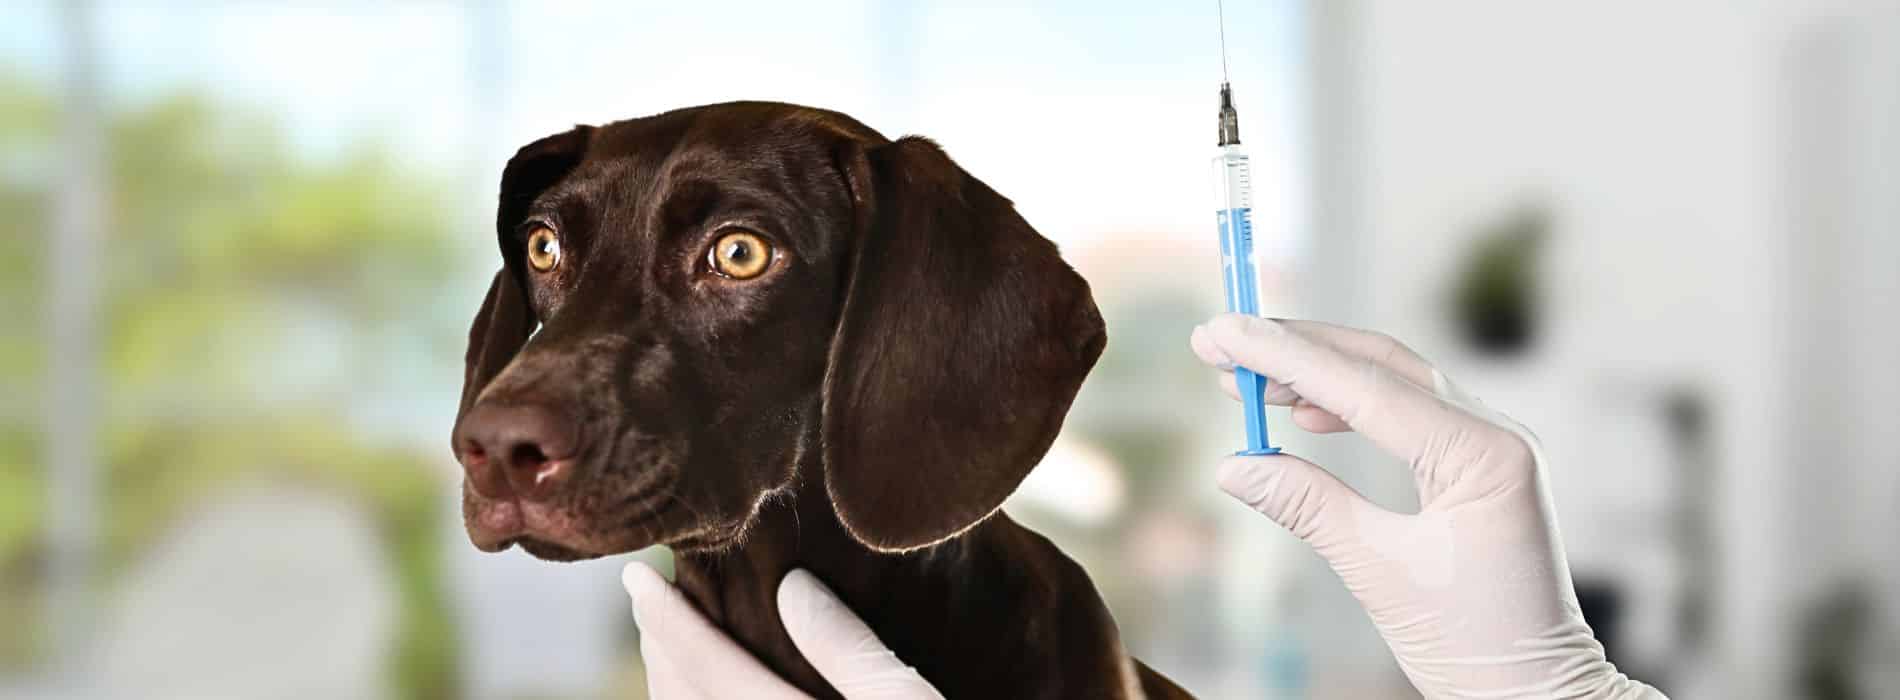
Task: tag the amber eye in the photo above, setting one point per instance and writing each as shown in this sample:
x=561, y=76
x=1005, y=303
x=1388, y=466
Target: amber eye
x=741, y=255
x=544, y=249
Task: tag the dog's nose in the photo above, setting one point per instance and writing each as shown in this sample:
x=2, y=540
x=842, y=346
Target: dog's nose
x=520, y=450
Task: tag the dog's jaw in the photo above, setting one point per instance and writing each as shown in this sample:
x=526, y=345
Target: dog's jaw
x=997, y=581
x=553, y=531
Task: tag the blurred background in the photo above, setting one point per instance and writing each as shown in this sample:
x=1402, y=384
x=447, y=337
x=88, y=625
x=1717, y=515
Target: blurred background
x=242, y=242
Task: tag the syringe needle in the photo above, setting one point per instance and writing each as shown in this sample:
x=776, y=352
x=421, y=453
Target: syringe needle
x=1220, y=13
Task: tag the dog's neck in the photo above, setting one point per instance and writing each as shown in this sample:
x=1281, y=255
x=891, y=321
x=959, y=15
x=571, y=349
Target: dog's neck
x=799, y=530
x=737, y=586
x=911, y=599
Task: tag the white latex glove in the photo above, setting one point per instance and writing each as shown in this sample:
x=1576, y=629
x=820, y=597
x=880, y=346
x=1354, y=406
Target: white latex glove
x=1472, y=594
x=687, y=658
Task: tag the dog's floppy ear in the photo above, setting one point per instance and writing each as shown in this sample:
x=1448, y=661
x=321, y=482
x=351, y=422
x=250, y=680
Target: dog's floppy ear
x=962, y=340
x=535, y=168
x=505, y=320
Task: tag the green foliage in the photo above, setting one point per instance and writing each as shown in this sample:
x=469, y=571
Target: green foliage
x=1137, y=418
x=247, y=291
x=27, y=123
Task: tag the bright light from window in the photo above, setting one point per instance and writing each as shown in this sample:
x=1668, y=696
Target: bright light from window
x=1077, y=481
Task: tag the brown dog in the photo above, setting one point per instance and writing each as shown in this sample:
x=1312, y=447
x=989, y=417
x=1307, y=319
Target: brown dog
x=769, y=337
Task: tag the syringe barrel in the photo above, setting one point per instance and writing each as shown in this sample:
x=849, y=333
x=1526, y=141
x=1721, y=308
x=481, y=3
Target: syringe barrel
x=1233, y=199
x=1233, y=184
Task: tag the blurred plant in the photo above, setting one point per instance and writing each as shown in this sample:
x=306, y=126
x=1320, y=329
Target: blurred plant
x=1138, y=406
x=1496, y=300
x=251, y=326
x=1834, y=635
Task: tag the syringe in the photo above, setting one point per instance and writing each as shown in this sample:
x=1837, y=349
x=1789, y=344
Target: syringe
x=1233, y=206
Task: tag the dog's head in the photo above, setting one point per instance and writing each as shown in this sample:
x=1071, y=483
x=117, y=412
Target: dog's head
x=696, y=306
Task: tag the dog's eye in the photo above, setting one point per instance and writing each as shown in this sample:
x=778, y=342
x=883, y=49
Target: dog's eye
x=544, y=249
x=740, y=255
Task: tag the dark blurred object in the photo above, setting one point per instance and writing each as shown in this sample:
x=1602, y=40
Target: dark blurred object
x=1602, y=604
x=1686, y=412
x=1834, y=635
x=1495, y=303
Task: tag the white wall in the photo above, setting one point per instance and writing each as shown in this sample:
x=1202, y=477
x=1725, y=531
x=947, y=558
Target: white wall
x=1666, y=138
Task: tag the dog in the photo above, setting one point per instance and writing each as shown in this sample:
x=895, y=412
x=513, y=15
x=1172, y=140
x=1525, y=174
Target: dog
x=768, y=337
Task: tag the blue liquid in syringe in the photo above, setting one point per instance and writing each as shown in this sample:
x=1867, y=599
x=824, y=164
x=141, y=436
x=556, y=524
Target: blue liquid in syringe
x=1237, y=274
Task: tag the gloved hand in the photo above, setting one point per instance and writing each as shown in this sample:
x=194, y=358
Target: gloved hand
x=687, y=658
x=1472, y=594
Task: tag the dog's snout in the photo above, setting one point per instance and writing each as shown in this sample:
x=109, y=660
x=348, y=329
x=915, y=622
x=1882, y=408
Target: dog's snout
x=516, y=451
